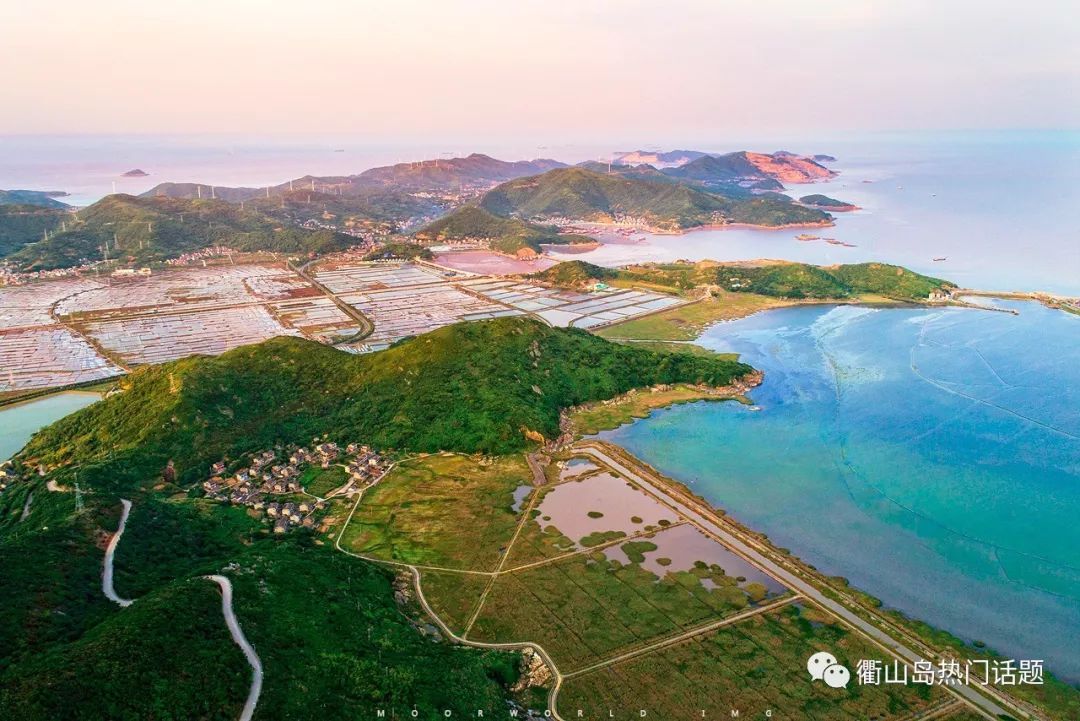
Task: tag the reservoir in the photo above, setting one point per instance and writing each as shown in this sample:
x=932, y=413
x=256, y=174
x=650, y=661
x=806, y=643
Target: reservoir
x=20, y=421
x=930, y=456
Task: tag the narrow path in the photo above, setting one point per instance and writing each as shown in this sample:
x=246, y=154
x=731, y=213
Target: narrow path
x=526, y=516
x=26, y=507
x=367, y=326
x=110, y=551
x=226, y=608
x=553, y=694
x=241, y=641
x=685, y=635
x=422, y=600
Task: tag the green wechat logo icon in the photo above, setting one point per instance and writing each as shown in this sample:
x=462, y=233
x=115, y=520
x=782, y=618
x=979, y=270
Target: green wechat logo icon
x=824, y=667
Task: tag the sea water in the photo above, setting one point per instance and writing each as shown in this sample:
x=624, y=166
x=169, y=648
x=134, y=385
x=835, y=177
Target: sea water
x=998, y=208
x=930, y=456
x=20, y=421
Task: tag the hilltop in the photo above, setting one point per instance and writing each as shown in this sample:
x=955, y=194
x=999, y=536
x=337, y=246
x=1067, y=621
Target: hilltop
x=781, y=166
x=39, y=198
x=817, y=200
x=583, y=195
x=144, y=230
x=507, y=235
x=575, y=274
x=470, y=387
x=766, y=171
x=657, y=158
x=451, y=174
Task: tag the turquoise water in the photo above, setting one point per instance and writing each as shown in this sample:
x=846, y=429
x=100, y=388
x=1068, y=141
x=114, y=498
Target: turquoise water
x=932, y=457
x=19, y=422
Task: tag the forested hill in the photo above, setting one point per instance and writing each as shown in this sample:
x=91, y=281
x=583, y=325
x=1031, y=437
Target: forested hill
x=143, y=230
x=447, y=174
x=21, y=225
x=581, y=194
x=468, y=387
x=39, y=198
x=507, y=235
x=789, y=280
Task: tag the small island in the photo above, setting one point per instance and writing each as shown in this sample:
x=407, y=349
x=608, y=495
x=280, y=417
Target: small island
x=136, y=173
x=824, y=202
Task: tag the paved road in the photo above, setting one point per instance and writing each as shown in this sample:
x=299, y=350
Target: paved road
x=107, y=569
x=793, y=582
x=241, y=641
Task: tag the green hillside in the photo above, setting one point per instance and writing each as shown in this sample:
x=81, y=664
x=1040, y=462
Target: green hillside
x=794, y=280
x=332, y=640
x=144, y=230
x=575, y=273
x=472, y=170
x=503, y=234
x=468, y=387
x=823, y=201
x=718, y=169
x=580, y=194
x=39, y=198
x=24, y=224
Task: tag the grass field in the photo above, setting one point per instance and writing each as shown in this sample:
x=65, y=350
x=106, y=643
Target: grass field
x=453, y=596
x=583, y=608
x=753, y=665
x=673, y=346
x=441, y=510
x=688, y=321
x=320, y=481
x=597, y=417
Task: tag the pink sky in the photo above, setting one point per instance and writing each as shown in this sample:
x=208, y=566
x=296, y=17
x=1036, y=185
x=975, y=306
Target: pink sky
x=416, y=70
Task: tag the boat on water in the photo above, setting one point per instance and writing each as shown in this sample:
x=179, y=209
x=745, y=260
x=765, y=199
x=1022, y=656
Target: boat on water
x=938, y=260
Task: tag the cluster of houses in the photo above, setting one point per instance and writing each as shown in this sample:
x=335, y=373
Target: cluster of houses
x=9, y=275
x=267, y=476
x=940, y=295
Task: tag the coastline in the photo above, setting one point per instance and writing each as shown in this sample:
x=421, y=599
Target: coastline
x=614, y=228
x=921, y=638
x=936, y=642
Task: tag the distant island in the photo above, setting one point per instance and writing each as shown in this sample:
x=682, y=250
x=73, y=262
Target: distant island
x=817, y=200
x=775, y=279
x=38, y=198
x=136, y=173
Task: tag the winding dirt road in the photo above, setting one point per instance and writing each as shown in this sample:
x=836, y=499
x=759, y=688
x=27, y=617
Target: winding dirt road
x=241, y=641
x=226, y=608
x=110, y=551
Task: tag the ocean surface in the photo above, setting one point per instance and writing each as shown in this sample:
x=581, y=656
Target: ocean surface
x=999, y=208
x=930, y=456
x=20, y=421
